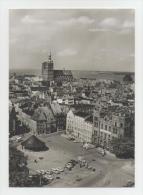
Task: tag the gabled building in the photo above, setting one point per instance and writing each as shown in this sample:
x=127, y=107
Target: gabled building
x=60, y=116
x=45, y=119
x=112, y=124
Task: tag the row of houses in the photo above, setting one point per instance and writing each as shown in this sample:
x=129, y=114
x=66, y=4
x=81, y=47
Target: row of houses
x=80, y=125
x=45, y=119
x=99, y=128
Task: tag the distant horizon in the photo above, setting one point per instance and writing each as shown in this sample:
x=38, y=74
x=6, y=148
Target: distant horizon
x=11, y=69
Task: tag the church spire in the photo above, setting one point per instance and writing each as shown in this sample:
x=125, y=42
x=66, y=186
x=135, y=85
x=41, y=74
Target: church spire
x=50, y=56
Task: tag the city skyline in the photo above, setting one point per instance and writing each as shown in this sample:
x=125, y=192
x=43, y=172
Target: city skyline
x=95, y=39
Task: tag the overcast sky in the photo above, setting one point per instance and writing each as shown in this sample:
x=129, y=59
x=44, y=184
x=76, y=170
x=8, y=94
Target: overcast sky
x=97, y=39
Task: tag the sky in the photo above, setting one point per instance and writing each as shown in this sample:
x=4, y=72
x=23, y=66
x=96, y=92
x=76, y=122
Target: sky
x=79, y=39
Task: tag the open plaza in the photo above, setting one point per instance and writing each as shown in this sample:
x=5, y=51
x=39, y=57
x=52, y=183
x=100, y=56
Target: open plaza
x=102, y=171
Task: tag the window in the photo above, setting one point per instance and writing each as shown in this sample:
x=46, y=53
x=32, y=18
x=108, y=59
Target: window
x=101, y=126
x=121, y=125
x=109, y=128
x=96, y=124
x=115, y=124
x=115, y=130
x=105, y=127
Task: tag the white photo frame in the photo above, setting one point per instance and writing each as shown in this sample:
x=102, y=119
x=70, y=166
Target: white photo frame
x=5, y=5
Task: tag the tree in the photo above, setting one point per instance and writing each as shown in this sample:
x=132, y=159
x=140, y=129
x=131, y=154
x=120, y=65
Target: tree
x=18, y=172
x=128, y=78
x=123, y=147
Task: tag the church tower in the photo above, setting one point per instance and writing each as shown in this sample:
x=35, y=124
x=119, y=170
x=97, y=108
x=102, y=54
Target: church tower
x=48, y=69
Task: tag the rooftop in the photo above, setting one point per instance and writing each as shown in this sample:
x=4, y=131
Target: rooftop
x=56, y=108
x=89, y=119
x=43, y=114
x=81, y=114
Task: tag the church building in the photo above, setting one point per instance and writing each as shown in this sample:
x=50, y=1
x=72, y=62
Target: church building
x=49, y=74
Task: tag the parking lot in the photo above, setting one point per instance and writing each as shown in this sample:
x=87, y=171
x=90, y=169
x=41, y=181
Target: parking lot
x=108, y=169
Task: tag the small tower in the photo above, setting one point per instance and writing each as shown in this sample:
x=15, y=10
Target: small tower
x=50, y=56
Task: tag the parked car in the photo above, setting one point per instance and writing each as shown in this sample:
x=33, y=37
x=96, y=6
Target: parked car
x=76, y=141
x=88, y=146
x=90, y=168
x=49, y=172
x=48, y=177
x=73, y=162
x=60, y=169
x=78, y=179
x=83, y=162
x=56, y=172
x=69, y=165
x=71, y=138
x=42, y=172
x=38, y=171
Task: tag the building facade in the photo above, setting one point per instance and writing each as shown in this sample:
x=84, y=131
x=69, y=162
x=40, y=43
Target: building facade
x=27, y=120
x=45, y=119
x=108, y=127
x=99, y=129
x=80, y=125
x=12, y=121
x=63, y=75
x=60, y=116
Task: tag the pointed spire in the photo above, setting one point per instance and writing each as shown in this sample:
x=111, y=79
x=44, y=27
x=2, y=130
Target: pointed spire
x=50, y=56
